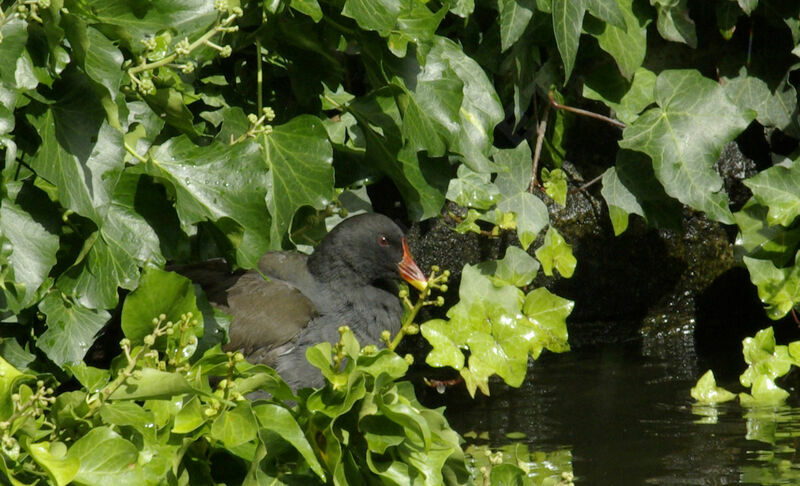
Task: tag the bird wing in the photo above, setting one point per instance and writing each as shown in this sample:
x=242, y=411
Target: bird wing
x=267, y=314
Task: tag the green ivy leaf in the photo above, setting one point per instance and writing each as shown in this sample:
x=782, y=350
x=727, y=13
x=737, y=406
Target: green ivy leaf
x=480, y=110
x=631, y=188
x=299, y=157
x=609, y=11
x=308, y=7
x=513, y=181
x=379, y=118
x=226, y=184
x=674, y=23
x=555, y=185
x=472, y=189
x=280, y=421
x=159, y=292
x=627, y=99
x=379, y=15
x=625, y=38
x=235, y=427
x=758, y=239
x=33, y=254
x=555, y=253
x=752, y=93
x=707, y=391
x=60, y=468
x=778, y=288
x=153, y=384
x=684, y=136
x=567, y=23
x=516, y=268
x=431, y=112
x=71, y=329
x=515, y=15
x=548, y=313
x=764, y=392
x=778, y=188
x=103, y=454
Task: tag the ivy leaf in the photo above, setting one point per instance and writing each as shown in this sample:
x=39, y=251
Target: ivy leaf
x=159, y=292
x=609, y=11
x=190, y=18
x=555, y=253
x=778, y=189
x=567, y=23
x=480, y=110
x=631, y=188
x=472, y=189
x=103, y=453
x=514, y=18
x=71, y=329
x=431, y=111
x=113, y=255
x=778, y=288
x=751, y=93
x=299, y=157
x=280, y=421
x=33, y=254
x=225, y=184
x=764, y=392
x=674, y=23
x=153, y=384
x=308, y=7
x=235, y=427
x=707, y=391
x=50, y=456
x=684, y=136
x=379, y=118
x=626, y=37
x=499, y=326
x=760, y=240
x=513, y=181
x=548, y=314
x=555, y=185
x=627, y=99
x=516, y=268
x=379, y=15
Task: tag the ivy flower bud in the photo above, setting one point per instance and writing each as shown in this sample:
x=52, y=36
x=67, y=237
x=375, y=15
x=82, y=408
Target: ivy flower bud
x=386, y=335
x=408, y=359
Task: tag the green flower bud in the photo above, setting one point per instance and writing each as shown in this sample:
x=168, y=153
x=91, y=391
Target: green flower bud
x=409, y=359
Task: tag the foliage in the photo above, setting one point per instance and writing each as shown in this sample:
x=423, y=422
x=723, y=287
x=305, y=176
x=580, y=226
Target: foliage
x=139, y=133
x=767, y=361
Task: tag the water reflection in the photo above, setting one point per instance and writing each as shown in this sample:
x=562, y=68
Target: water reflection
x=629, y=419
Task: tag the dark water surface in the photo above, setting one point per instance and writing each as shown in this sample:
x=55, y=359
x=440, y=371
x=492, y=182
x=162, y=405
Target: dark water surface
x=629, y=420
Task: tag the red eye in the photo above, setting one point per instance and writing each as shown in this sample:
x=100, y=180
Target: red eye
x=383, y=241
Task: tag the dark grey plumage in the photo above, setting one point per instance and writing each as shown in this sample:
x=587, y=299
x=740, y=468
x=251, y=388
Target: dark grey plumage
x=348, y=280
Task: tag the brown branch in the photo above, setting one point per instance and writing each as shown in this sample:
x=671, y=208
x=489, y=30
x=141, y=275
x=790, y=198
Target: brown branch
x=555, y=104
x=541, y=128
x=587, y=185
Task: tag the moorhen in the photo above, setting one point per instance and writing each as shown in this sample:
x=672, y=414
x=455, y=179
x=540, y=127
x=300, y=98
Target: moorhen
x=350, y=279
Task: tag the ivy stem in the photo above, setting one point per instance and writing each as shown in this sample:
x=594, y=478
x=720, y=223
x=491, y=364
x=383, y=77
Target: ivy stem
x=555, y=104
x=133, y=152
x=259, y=76
x=587, y=185
x=148, y=66
x=541, y=128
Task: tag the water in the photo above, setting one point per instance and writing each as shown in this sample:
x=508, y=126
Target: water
x=629, y=420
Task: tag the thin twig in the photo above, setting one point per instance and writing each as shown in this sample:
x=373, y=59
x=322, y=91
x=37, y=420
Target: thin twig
x=585, y=186
x=541, y=128
x=555, y=104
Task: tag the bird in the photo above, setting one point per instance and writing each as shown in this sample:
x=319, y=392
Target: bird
x=292, y=301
